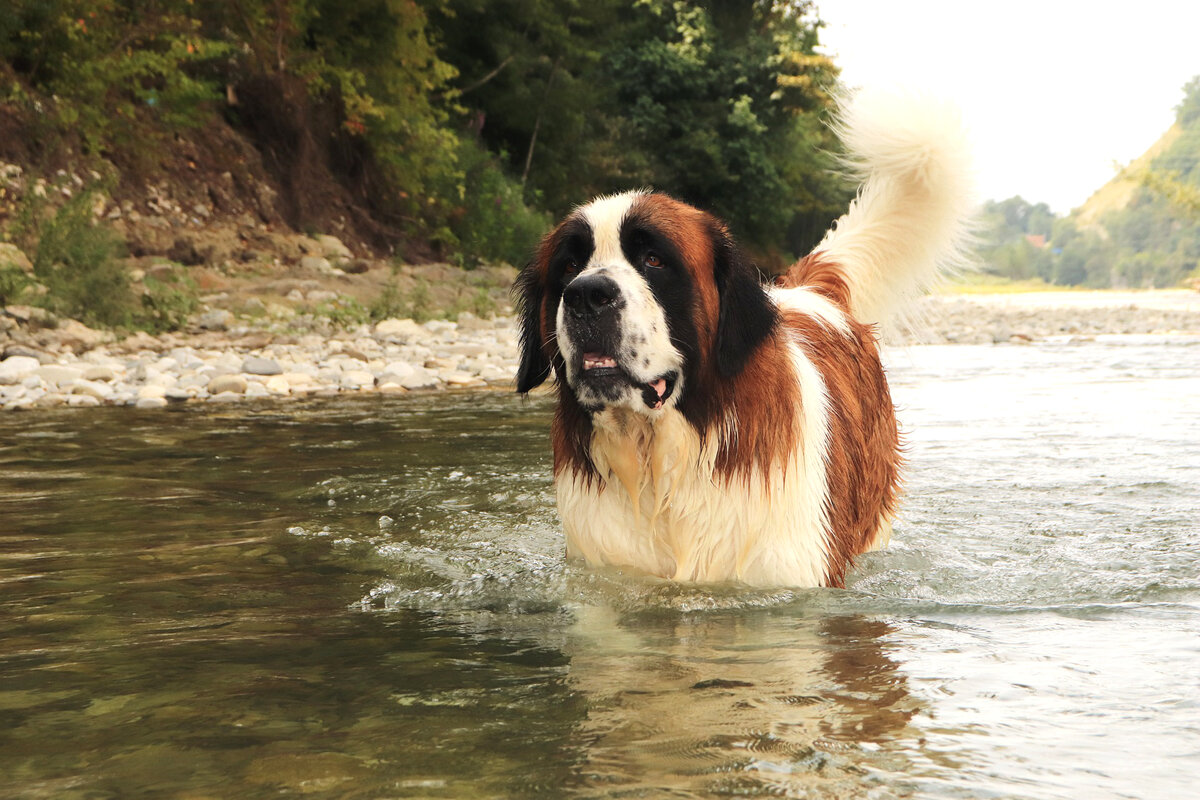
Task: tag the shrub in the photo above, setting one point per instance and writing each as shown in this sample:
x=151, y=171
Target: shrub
x=167, y=303
x=13, y=282
x=76, y=259
x=490, y=221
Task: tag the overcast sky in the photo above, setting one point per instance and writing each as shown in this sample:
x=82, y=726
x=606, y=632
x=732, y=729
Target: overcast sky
x=1054, y=92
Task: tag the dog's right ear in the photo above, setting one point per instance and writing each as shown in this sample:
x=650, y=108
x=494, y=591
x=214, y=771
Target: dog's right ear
x=529, y=294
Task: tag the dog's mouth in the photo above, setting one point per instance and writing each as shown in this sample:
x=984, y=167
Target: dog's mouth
x=602, y=370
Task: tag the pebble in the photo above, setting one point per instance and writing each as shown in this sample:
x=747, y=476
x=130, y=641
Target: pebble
x=58, y=374
x=227, y=384
x=216, y=320
x=100, y=372
x=255, y=365
x=95, y=389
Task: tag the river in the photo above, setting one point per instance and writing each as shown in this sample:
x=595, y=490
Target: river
x=368, y=599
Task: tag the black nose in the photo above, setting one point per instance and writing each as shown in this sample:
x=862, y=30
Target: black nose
x=591, y=294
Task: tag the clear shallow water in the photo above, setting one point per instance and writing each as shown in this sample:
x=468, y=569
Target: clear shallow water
x=368, y=600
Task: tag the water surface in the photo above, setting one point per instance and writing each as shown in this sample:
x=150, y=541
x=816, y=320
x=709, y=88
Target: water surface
x=367, y=599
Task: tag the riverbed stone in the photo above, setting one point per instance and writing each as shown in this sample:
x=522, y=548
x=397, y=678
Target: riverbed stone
x=295, y=378
x=458, y=378
x=277, y=384
x=15, y=368
x=420, y=379
x=224, y=384
x=468, y=322
x=494, y=374
x=442, y=363
x=82, y=400
x=18, y=349
x=466, y=349
x=403, y=330
x=333, y=247
x=151, y=402
x=319, y=265
x=96, y=389
x=256, y=365
x=218, y=319
x=58, y=374
x=100, y=372
x=357, y=379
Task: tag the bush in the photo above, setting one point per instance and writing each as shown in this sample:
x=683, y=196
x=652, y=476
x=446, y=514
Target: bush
x=13, y=282
x=490, y=221
x=167, y=303
x=76, y=259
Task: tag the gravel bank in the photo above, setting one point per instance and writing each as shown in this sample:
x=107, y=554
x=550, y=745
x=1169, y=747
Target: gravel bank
x=395, y=356
x=1042, y=316
x=50, y=364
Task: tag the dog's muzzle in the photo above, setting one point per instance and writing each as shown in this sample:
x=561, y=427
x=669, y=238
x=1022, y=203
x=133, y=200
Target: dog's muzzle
x=593, y=305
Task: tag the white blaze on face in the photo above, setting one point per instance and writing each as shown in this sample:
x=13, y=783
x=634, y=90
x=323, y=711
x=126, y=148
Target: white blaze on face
x=643, y=350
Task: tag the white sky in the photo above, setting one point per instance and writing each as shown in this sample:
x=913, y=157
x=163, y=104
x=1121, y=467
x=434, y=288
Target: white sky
x=1054, y=92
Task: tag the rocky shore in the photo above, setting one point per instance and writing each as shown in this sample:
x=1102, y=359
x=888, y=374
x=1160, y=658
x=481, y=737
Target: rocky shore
x=74, y=366
x=1042, y=316
x=49, y=363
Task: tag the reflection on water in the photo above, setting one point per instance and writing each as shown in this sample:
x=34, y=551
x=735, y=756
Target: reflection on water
x=736, y=704
x=368, y=599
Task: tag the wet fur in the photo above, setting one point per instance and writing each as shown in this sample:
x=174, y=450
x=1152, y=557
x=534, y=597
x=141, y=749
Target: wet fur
x=776, y=459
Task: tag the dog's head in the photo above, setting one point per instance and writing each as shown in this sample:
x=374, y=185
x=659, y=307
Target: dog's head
x=637, y=299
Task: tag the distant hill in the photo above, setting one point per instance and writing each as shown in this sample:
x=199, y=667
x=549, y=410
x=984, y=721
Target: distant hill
x=1139, y=230
x=1119, y=192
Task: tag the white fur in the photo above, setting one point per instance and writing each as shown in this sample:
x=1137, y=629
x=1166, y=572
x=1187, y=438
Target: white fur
x=664, y=510
x=808, y=302
x=911, y=221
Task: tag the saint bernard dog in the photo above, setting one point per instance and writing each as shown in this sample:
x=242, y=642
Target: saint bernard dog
x=713, y=426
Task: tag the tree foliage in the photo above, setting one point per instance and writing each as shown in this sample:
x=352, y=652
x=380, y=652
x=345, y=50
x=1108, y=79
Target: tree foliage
x=466, y=123
x=723, y=104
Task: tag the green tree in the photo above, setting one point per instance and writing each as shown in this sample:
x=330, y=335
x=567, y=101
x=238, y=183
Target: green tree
x=726, y=107
x=722, y=104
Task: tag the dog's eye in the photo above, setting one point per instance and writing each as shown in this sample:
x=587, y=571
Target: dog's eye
x=571, y=265
x=652, y=261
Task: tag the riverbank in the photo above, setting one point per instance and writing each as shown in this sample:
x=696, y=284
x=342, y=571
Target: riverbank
x=51, y=363
x=1024, y=317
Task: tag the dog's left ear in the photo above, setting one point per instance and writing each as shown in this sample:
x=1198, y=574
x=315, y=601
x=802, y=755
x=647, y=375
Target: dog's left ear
x=535, y=367
x=747, y=315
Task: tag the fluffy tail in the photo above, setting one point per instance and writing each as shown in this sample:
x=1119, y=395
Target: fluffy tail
x=911, y=221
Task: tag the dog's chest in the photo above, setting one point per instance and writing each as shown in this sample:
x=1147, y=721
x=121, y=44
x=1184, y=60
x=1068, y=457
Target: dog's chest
x=662, y=509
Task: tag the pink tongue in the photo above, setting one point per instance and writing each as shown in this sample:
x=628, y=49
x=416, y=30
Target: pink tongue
x=659, y=386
